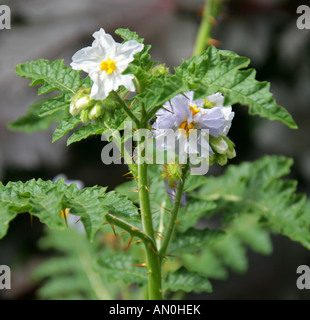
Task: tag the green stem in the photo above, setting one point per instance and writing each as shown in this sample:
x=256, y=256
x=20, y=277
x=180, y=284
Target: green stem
x=153, y=261
x=204, y=33
x=124, y=106
x=174, y=214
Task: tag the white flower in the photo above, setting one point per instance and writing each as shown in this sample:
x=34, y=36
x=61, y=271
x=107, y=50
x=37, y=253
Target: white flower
x=105, y=61
x=183, y=114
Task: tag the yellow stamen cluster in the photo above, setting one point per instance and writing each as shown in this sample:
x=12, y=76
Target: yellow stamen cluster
x=108, y=66
x=186, y=128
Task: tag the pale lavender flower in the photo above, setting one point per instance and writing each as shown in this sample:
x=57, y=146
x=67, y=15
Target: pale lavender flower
x=183, y=114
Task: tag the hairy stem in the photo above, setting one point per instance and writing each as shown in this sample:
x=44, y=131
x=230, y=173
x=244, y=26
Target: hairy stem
x=204, y=33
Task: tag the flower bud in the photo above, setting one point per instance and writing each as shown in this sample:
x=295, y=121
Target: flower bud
x=231, y=152
x=159, y=70
x=221, y=159
x=95, y=112
x=174, y=170
x=84, y=116
x=73, y=109
x=80, y=101
x=219, y=145
x=83, y=103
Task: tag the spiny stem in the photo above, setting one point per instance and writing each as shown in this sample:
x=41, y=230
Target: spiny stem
x=124, y=106
x=153, y=261
x=204, y=32
x=174, y=214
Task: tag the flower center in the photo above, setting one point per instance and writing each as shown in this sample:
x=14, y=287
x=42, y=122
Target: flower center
x=108, y=66
x=186, y=128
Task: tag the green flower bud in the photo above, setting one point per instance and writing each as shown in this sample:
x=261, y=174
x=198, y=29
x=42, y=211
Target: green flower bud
x=95, y=112
x=175, y=171
x=231, y=152
x=171, y=173
x=221, y=159
x=159, y=70
x=110, y=103
x=83, y=103
x=80, y=101
x=219, y=145
x=84, y=116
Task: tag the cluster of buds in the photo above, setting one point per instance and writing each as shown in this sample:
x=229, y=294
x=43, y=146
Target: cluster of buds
x=87, y=108
x=223, y=149
x=90, y=109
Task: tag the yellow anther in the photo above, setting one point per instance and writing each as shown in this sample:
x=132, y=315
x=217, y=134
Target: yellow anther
x=186, y=128
x=194, y=110
x=65, y=213
x=108, y=66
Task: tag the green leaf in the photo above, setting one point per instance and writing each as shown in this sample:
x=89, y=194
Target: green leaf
x=250, y=232
x=51, y=75
x=84, y=132
x=65, y=126
x=32, y=121
x=189, y=215
x=232, y=253
x=55, y=104
x=70, y=272
x=187, y=281
x=206, y=263
x=255, y=188
x=162, y=89
x=229, y=251
x=120, y=266
x=217, y=71
x=127, y=35
x=46, y=199
x=193, y=240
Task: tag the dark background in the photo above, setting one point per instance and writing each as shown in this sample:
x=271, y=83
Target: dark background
x=263, y=30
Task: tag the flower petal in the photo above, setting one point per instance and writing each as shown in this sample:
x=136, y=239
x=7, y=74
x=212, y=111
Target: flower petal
x=86, y=59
